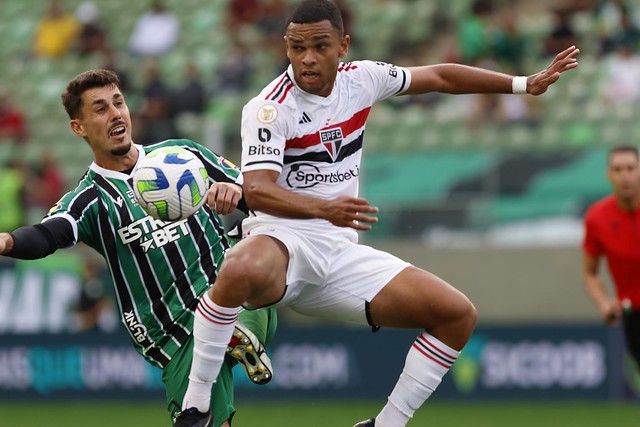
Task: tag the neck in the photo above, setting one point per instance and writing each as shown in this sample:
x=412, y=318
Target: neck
x=118, y=163
x=629, y=203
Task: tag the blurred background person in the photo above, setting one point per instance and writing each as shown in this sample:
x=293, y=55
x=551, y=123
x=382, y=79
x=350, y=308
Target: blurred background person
x=56, y=32
x=155, y=32
x=612, y=232
x=620, y=70
x=12, y=188
x=156, y=117
x=92, y=37
x=13, y=122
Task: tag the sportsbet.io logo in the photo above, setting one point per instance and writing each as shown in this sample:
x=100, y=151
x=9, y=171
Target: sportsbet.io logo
x=306, y=175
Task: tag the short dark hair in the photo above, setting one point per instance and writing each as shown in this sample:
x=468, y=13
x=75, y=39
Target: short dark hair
x=72, y=96
x=312, y=11
x=624, y=149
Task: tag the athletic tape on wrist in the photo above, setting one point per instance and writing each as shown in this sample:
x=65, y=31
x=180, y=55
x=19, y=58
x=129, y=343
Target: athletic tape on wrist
x=519, y=85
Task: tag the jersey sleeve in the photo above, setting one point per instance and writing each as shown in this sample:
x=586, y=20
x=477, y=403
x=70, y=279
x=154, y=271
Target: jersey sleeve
x=264, y=133
x=591, y=242
x=386, y=80
x=80, y=209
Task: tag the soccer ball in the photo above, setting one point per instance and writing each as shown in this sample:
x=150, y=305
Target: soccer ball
x=170, y=183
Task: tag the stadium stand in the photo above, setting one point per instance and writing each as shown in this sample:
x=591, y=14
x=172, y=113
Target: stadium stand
x=420, y=150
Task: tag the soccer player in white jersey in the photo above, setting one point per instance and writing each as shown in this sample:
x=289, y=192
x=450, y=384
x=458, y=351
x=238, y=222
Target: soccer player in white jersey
x=302, y=142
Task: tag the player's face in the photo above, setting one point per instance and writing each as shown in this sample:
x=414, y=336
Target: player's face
x=314, y=51
x=104, y=122
x=624, y=174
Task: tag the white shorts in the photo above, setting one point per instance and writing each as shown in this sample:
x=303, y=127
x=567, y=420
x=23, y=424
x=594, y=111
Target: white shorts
x=330, y=275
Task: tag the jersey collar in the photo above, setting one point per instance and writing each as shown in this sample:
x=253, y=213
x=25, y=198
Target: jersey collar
x=108, y=173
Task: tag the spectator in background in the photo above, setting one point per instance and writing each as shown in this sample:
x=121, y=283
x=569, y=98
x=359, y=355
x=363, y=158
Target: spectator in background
x=612, y=19
x=155, y=32
x=13, y=124
x=621, y=76
x=241, y=13
x=473, y=32
x=92, y=37
x=611, y=232
x=12, y=187
x=110, y=62
x=628, y=33
x=509, y=45
x=157, y=115
x=192, y=96
x=45, y=185
x=234, y=73
x=562, y=34
x=56, y=32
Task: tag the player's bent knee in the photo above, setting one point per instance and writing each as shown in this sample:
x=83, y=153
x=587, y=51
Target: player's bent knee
x=240, y=266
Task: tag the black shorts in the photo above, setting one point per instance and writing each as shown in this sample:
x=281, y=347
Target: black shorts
x=631, y=323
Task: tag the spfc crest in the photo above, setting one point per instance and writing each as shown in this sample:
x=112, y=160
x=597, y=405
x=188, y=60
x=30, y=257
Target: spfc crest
x=331, y=139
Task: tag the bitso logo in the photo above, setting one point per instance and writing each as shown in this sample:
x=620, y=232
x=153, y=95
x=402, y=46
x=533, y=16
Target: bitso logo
x=332, y=141
x=267, y=114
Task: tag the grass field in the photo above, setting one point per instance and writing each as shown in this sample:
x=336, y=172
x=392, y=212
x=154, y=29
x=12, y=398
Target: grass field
x=329, y=414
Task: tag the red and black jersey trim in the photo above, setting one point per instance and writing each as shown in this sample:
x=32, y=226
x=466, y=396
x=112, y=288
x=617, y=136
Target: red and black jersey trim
x=324, y=157
x=281, y=89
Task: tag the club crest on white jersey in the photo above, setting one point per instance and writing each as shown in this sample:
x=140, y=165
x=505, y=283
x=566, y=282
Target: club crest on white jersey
x=314, y=142
x=331, y=140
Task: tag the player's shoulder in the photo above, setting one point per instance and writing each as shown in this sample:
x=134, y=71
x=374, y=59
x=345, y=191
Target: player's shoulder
x=601, y=207
x=184, y=143
x=83, y=195
x=367, y=66
x=275, y=103
x=278, y=90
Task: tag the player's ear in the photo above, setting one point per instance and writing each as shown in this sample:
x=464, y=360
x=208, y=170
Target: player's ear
x=77, y=128
x=344, y=46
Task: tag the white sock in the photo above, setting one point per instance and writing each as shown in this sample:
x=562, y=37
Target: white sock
x=427, y=362
x=212, y=330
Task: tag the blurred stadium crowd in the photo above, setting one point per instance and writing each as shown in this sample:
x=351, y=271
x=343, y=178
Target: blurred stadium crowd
x=472, y=161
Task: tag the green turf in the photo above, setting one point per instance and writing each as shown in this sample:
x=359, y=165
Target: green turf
x=327, y=414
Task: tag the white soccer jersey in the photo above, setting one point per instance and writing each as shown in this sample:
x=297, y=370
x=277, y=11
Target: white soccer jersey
x=315, y=142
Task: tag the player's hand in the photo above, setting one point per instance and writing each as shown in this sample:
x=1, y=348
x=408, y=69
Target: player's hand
x=353, y=212
x=6, y=243
x=611, y=311
x=538, y=83
x=223, y=197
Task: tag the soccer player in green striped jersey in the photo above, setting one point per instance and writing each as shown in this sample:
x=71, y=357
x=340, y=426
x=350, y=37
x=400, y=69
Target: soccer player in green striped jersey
x=159, y=269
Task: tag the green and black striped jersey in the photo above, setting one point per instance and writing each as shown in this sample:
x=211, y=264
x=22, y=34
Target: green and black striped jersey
x=159, y=269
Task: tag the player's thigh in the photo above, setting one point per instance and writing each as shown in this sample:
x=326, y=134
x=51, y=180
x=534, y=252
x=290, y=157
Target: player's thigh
x=416, y=298
x=354, y=275
x=326, y=302
x=175, y=377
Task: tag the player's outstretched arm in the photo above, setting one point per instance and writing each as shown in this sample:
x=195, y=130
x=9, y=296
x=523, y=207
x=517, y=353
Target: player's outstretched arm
x=463, y=79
